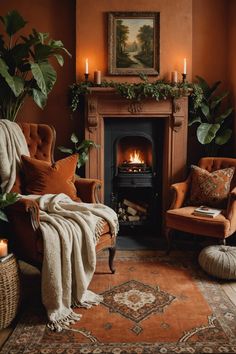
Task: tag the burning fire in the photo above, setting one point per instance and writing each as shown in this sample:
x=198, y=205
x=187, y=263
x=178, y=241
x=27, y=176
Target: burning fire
x=135, y=157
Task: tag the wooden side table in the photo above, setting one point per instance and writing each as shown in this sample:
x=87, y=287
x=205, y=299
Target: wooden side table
x=9, y=290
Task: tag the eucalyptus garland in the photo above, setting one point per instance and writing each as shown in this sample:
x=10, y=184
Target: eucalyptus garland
x=159, y=90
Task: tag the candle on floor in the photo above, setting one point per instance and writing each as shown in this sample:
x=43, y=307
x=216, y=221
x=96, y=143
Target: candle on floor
x=3, y=248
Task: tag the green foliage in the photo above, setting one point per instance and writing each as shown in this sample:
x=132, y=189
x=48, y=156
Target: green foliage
x=25, y=69
x=212, y=130
x=82, y=149
x=6, y=199
x=159, y=90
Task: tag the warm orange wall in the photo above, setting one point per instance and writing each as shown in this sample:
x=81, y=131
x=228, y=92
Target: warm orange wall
x=57, y=17
x=232, y=56
x=210, y=40
x=175, y=33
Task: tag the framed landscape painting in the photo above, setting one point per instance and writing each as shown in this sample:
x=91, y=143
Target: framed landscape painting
x=133, y=43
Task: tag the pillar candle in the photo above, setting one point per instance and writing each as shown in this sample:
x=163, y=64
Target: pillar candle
x=185, y=66
x=86, y=66
x=3, y=248
x=174, y=77
x=97, y=77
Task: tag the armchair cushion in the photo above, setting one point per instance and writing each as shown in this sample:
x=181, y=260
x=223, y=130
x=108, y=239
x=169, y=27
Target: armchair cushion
x=42, y=177
x=211, y=189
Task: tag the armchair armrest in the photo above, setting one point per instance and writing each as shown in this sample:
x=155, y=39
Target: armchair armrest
x=87, y=189
x=180, y=191
x=27, y=209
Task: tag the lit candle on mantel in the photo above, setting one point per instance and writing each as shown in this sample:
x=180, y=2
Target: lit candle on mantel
x=86, y=66
x=3, y=248
x=185, y=66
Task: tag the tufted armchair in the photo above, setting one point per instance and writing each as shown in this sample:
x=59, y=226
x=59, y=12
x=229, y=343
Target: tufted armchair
x=180, y=215
x=24, y=214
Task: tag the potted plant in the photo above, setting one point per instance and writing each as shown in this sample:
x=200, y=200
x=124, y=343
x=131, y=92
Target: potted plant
x=82, y=149
x=212, y=130
x=25, y=68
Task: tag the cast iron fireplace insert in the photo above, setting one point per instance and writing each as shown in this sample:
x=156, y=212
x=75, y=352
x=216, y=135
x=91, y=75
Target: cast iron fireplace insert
x=133, y=171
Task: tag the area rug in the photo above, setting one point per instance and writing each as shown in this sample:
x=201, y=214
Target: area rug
x=153, y=304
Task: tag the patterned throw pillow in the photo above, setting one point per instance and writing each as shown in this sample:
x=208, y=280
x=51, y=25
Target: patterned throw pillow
x=211, y=189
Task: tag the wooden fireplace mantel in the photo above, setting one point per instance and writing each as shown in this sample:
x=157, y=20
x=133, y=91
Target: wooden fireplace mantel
x=102, y=103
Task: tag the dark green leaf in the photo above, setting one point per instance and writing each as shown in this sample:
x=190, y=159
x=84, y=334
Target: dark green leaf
x=74, y=138
x=13, y=22
x=224, y=115
x=223, y=137
x=66, y=150
x=205, y=110
x=14, y=82
x=44, y=75
x=217, y=99
x=39, y=98
x=3, y=216
x=195, y=120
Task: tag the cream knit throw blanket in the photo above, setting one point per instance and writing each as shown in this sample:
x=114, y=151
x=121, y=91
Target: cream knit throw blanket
x=70, y=232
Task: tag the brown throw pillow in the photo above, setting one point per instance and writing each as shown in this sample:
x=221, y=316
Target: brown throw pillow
x=211, y=189
x=41, y=177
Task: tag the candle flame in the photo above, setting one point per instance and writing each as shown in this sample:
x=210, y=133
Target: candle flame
x=135, y=157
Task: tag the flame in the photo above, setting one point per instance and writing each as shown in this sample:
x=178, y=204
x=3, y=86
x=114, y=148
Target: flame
x=135, y=157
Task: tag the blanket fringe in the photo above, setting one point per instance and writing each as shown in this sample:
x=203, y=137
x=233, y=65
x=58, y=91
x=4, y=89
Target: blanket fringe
x=64, y=323
x=90, y=301
x=99, y=228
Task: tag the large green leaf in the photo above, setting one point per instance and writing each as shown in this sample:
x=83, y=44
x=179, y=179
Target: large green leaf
x=195, y=120
x=223, y=137
x=205, y=110
x=60, y=59
x=13, y=22
x=223, y=116
x=58, y=46
x=15, y=83
x=39, y=98
x=42, y=52
x=206, y=132
x=217, y=99
x=45, y=76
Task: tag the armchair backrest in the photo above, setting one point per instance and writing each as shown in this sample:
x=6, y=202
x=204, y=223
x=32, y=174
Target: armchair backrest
x=40, y=139
x=217, y=163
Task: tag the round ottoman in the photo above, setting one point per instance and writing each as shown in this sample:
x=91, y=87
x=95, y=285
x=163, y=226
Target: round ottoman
x=219, y=261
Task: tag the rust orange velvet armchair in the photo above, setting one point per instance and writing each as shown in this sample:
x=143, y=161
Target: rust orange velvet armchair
x=180, y=215
x=24, y=214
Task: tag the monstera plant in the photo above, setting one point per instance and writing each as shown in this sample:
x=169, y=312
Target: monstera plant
x=213, y=129
x=25, y=67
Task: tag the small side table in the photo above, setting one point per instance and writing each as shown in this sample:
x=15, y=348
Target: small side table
x=9, y=290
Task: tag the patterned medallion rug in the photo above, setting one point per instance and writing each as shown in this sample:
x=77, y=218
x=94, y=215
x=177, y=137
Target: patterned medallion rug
x=153, y=304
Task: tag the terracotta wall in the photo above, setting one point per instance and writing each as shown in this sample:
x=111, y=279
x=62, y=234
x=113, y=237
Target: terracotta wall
x=58, y=19
x=175, y=33
x=231, y=64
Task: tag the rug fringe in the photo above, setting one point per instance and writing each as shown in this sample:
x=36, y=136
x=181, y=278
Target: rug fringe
x=63, y=323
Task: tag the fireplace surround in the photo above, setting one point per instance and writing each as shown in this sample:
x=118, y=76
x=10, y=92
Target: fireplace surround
x=165, y=148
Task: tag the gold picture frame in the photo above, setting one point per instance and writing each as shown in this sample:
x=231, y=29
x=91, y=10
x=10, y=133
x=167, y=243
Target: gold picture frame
x=133, y=43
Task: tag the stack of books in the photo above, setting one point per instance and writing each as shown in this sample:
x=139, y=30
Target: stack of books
x=206, y=211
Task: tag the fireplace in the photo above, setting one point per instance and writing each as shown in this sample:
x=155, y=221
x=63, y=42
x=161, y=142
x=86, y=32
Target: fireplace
x=133, y=150
x=143, y=149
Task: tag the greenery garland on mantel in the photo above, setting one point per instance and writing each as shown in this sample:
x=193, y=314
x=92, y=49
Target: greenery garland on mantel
x=159, y=90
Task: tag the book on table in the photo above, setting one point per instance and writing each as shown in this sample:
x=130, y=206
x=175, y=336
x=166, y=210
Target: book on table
x=206, y=211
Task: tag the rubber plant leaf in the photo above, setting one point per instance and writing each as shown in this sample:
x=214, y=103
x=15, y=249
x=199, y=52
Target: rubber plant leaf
x=66, y=150
x=39, y=98
x=206, y=132
x=15, y=83
x=44, y=75
x=217, y=99
x=223, y=137
x=13, y=22
x=195, y=120
x=74, y=138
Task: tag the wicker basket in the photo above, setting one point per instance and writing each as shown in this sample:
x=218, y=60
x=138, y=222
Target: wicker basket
x=9, y=291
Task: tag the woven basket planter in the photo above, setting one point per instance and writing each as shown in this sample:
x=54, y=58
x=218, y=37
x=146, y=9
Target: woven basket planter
x=219, y=261
x=9, y=291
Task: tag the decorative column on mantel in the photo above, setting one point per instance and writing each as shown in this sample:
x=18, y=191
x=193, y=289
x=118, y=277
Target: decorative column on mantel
x=104, y=103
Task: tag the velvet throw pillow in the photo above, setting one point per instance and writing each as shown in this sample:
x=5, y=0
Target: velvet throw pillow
x=42, y=177
x=211, y=189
